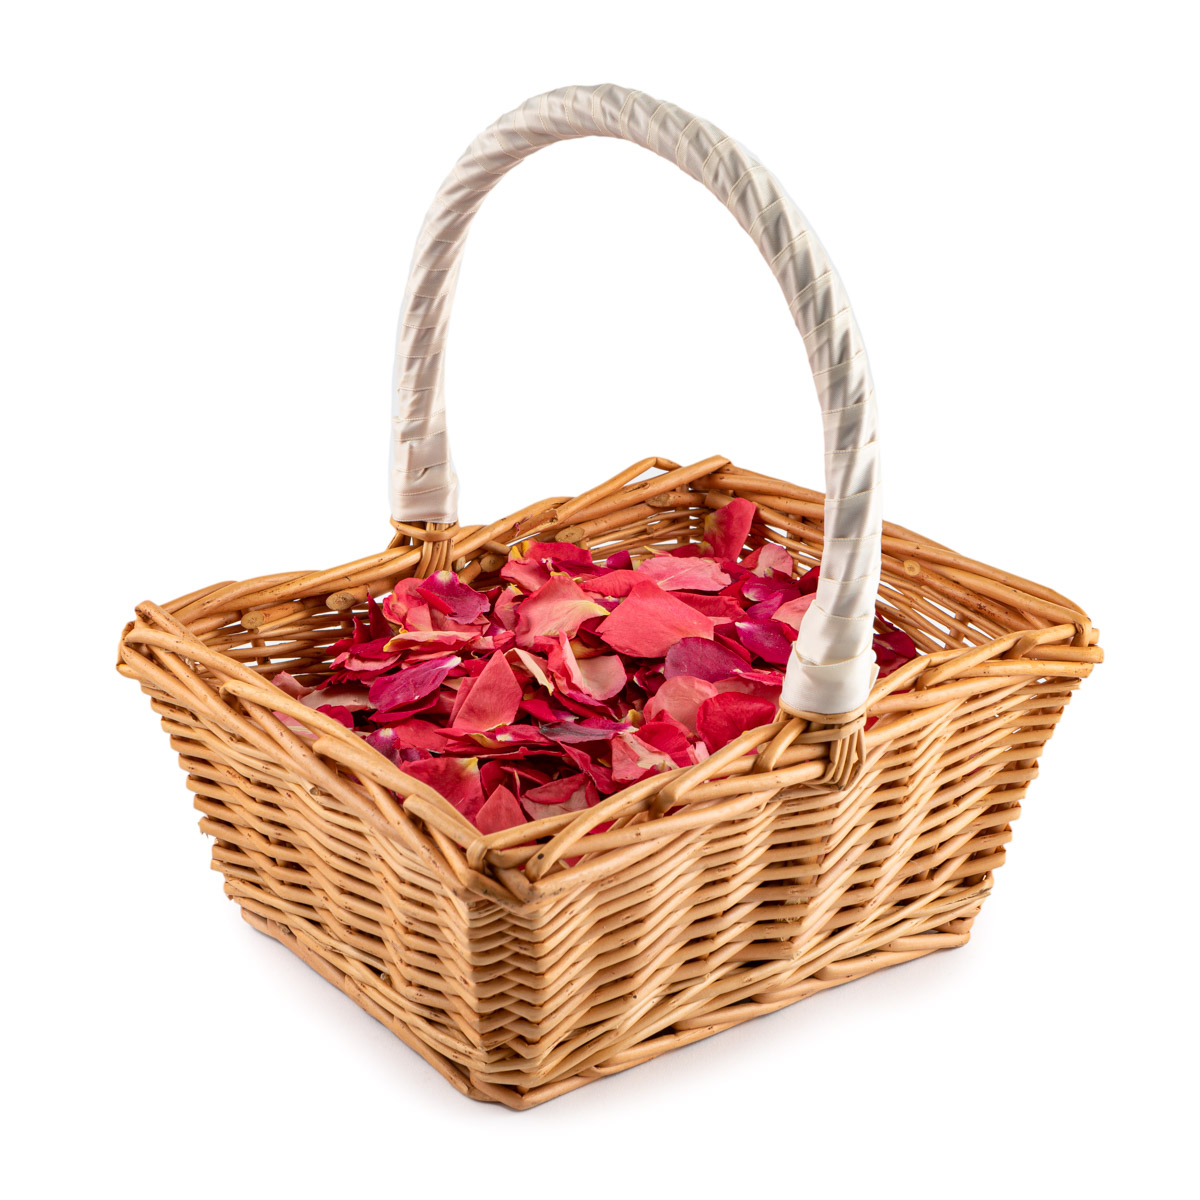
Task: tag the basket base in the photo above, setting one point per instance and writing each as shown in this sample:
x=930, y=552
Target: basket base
x=955, y=932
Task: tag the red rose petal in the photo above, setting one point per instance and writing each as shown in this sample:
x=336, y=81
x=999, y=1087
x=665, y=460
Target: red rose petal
x=457, y=779
x=649, y=621
x=499, y=811
x=728, y=715
x=726, y=529
x=493, y=699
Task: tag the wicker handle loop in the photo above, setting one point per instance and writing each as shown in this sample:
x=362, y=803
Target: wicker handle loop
x=830, y=673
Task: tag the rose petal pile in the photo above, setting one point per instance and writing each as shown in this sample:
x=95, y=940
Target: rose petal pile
x=573, y=678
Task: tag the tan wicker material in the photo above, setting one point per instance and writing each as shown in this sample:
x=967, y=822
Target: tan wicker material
x=525, y=963
x=521, y=977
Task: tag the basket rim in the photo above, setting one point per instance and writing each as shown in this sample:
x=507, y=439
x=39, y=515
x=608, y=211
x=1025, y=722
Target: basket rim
x=929, y=680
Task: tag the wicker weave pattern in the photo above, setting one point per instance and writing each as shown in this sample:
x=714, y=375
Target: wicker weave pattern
x=721, y=892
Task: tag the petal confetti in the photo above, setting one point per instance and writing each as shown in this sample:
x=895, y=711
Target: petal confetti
x=549, y=686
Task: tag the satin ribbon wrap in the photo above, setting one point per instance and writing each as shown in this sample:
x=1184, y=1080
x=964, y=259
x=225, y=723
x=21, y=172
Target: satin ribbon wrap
x=831, y=668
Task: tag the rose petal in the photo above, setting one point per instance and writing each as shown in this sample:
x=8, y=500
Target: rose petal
x=728, y=715
x=573, y=793
x=893, y=648
x=634, y=759
x=499, y=811
x=493, y=699
x=448, y=594
x=768, y=640
x=679, y=698
x=649, y=621
x=339, y=712
x=611, y=583
x=792, y=613
x=809, y=580
x=557, y=607
x=670, y=736
x=726, y=529
x=603, y=675
x=702, y=659
x=769, y=558
x=722, y=608
x=680, y=574
x=290, y=684
x=411, y=683
x=457, y=779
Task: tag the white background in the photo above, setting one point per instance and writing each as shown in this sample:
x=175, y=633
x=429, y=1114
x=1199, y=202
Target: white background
x=209, y=211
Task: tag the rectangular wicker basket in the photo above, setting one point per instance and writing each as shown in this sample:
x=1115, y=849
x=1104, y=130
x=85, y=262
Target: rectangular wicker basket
x=860, y=829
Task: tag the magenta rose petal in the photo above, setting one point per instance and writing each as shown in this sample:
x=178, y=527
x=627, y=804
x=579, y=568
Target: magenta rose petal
x=893, y=648
x=768, y=640
x=702, y=659
x=412, y=683
x=808, y=581
x=649, y=621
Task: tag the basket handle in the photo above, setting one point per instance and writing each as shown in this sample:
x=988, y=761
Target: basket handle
x=831, y=671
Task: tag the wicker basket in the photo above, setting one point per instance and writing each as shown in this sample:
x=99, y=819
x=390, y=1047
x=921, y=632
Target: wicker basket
x=854, y=832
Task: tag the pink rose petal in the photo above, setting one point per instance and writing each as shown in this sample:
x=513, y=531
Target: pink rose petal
x=557, y=607
x=680, y=697
x=603, y=676
x=769, y=558
x=684, y=574
x=448, y=594
x=792, y=613
x=290, y=684
x=634, y=759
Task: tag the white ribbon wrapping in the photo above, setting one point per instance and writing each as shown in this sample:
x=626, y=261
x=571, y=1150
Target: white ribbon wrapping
x=831, y=669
